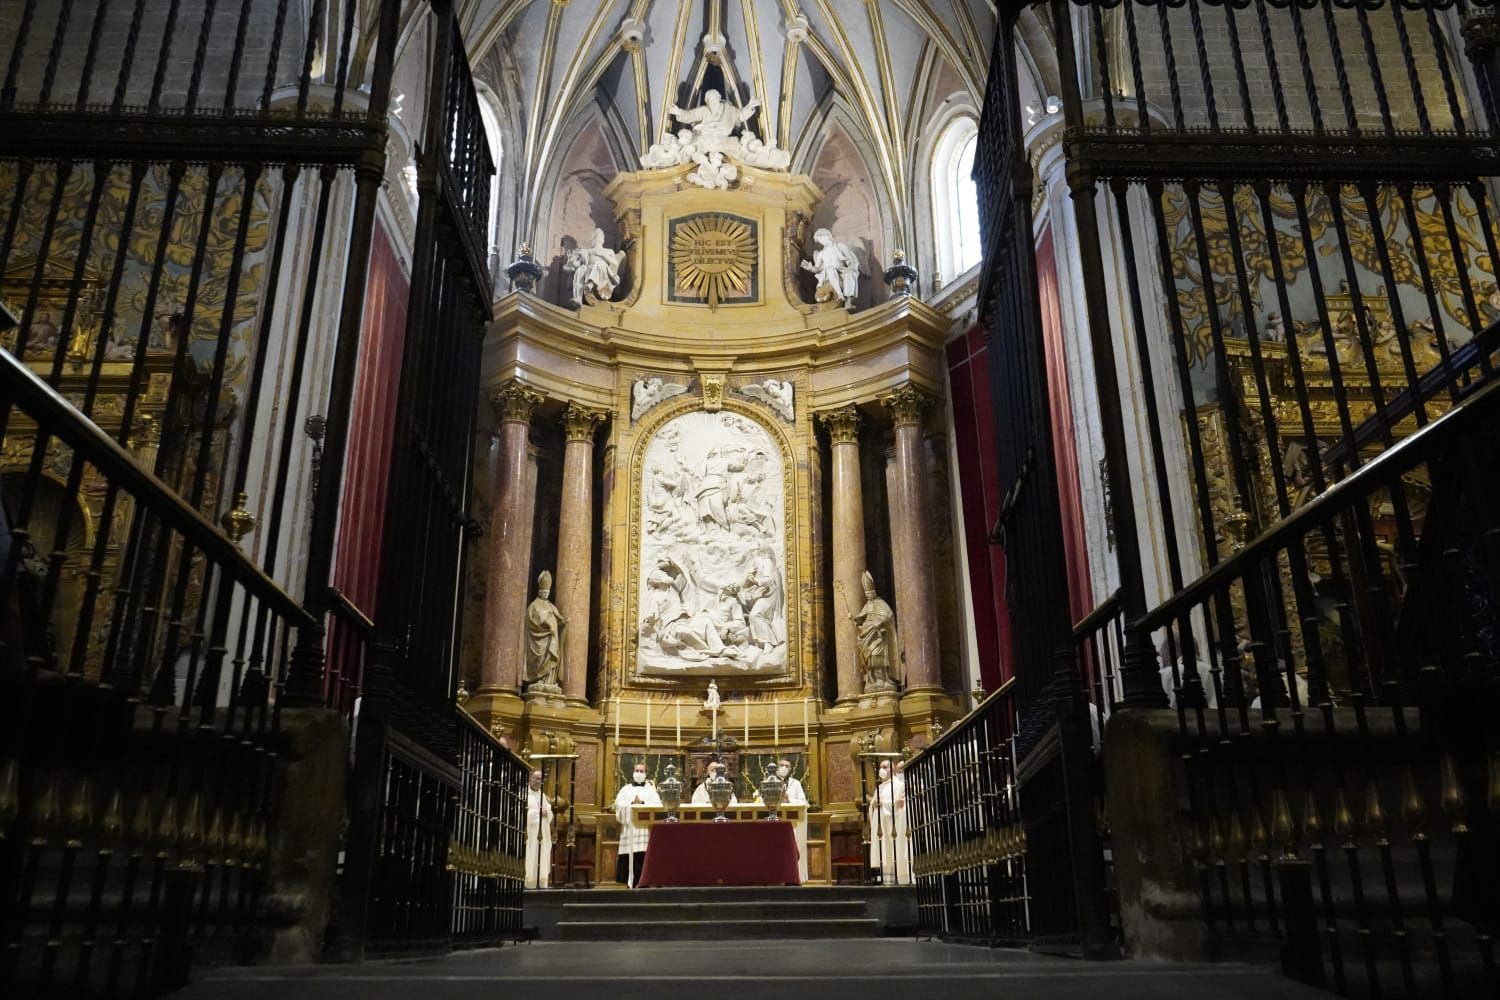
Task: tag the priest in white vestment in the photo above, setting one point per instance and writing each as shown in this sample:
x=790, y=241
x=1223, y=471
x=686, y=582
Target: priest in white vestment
x=632, y=857
x=538, y=834
x=890, y=847
x=700, y=794
x=794, y=795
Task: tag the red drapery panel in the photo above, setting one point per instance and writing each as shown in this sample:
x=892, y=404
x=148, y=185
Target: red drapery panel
x=980, y=496
x=368, y=458
x=1064, y=444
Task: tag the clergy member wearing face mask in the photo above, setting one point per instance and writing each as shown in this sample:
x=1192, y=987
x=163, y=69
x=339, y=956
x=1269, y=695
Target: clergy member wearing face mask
x=538, y=834
x=890, y=851
x=795, y=795
x=700, y=794
x=639, y=792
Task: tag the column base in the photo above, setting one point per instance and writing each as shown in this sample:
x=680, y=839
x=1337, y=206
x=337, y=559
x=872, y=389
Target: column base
x=492, y=706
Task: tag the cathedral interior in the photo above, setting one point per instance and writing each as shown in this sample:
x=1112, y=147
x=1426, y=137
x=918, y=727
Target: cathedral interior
x=1014, y=482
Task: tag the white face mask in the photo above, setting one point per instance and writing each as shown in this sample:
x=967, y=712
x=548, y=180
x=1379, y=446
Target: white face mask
x=639, y=777
x=885, y=772
x=783, y=772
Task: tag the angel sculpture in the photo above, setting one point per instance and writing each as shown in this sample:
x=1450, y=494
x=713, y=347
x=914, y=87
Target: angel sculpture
x=775, y=393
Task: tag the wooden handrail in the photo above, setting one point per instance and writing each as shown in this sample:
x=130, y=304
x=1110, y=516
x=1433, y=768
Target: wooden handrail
x=1380, y=471
x=959, y=724
x=1098, y=616
x=340, y=605
x=62, y=420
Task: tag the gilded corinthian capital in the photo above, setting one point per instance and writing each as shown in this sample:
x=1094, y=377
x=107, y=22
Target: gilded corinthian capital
x=842, y=424
x=580, y=422
x=516, y=401
x=906, y=404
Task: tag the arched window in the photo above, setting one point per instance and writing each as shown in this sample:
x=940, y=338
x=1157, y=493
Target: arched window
x=955, y=203
x=492, y=133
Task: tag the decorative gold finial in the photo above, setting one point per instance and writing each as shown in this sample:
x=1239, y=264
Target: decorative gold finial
x=238, y=522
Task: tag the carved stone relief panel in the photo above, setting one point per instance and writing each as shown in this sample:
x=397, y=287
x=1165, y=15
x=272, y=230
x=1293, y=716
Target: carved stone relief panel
x=712, y=578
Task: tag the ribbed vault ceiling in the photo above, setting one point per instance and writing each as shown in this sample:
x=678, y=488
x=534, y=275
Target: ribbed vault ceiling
x=795, y=55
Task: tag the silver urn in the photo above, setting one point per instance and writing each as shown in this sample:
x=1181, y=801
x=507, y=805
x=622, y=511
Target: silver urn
x=772, y=793
x=720, y=791
x=670, y=790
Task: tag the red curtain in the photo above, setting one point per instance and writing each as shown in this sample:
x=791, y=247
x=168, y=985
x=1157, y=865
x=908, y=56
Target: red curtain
x=356, y=568
x=975, y=438
x=1064, y=444
x=980, y=495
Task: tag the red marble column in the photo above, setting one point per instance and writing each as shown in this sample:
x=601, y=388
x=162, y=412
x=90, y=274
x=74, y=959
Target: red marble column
x=913, y=538
x=510, y=540
x=575, y=544
x=848, y=543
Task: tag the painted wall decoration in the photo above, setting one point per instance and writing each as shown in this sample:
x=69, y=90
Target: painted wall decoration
x=712, y=578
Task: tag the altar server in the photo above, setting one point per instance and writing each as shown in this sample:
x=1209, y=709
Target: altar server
x=639, y=792
x=795, y=795
x=890, y=848
x=538, y=834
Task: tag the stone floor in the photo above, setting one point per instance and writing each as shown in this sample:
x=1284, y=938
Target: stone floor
x=752, y=970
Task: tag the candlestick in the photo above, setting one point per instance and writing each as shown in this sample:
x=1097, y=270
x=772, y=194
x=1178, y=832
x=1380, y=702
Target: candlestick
x=677, y=705
x=776, y=723
x=617, y=720
x=804, y=718
x=747, y=722
x=648, y=723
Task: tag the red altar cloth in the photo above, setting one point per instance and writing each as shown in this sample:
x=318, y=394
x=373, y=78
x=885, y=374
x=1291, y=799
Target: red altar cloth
x=757, y=852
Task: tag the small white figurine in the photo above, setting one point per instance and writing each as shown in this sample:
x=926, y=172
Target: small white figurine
x=711, y=701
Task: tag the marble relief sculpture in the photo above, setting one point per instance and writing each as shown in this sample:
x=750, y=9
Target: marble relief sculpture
x=879, y=647
x=712, y=587
x=836, y=268
x=717, y=138
x=595, y=270
x=647, y=392
x=544, y=638
x=775, y=393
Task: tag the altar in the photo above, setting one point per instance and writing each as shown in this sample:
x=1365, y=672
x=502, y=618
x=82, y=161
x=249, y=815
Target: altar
x=753, y=852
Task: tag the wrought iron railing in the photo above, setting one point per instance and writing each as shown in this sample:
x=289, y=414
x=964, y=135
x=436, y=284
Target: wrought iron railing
x=1286, y=224
x=969, y=842
x=135, y=797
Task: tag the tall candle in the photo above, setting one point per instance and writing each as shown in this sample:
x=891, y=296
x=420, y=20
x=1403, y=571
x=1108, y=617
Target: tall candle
x=648, y=723
x=804, y=718
x=747, y=722
x=776, y=723
x=617, y=720
x=677, y=706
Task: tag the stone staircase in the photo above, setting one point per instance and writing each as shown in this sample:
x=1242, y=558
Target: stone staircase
x=720, y=914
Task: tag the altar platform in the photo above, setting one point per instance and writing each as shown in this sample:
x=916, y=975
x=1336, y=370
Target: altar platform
x=721, y=913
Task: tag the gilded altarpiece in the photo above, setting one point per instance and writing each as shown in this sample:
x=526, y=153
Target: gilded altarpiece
x=713, y=558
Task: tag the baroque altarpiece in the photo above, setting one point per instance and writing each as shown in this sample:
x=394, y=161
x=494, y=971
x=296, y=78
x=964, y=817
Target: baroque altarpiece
x=713, y=467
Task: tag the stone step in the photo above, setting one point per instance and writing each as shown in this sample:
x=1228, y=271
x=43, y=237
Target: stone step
x=717, y=930
x=631, y=910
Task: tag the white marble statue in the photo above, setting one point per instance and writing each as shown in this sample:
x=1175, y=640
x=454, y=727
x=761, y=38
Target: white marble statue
x=775, y=393
x=711, y=701
x=713, y=172
x=718, y=138
x=595, y=269
x=647, y=392
x=836, y=268
x=712, y=589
